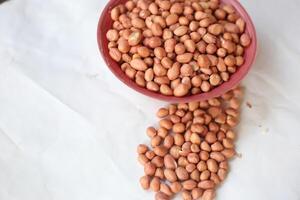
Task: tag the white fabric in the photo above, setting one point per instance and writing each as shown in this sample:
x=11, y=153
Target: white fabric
x=69, y=129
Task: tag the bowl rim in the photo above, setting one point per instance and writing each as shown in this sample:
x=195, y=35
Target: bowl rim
x=235, y=79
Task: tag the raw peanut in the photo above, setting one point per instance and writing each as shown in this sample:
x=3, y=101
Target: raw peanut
x=154, y=42
x=214, y=79
x=162, y=112
x=174, y=71
x=215, y=178
x=162, y=132
x=181, y=173
x=181, y=30
x=220, y=14
x=203, y=61
x=170, y=175
x=178, y=128
x=208, y=195
x=193, y=158
x=228, y=153
x=195, y=138
x=160, y=151
x=212, y=165
x=211, y=137
x=149, y=74
x=165, y=123
x=217, y=146
x=179, y=48
x=181, y=90
x=176, y=8
x=230, y=134
x=209, y=38
x=158, y=161
x=190, y=45
x=197, y=193
x=134, y=38
x=138, y=23
x=164, y=188
x=174, y=151
x=166, y=62
x=156, y=29
x=143, y=51
x=245, y=40
x=149, y=169
x=172, y=19
x=142, y=159
x=166, y=90
x=155, y=184
x=145, y=182
x=219, y=157
x=153, y=8
x=167, y=34
x=161, y=196
x=170, y=162
x=222, y=173
x=201, y=166
x=224, y=165
x=239, y=60
x=130, y=72
x=115, y=54
x=152, y=86
x=159, y=173
x=150, y=155
x=186, y=70
x=230, y=61
x=138, y=64
x=186, y=195
x=140, y=81
x=142, y=148
x=231, y=28
x=178, y=139
x=228, y=45
x=207, y=184
x=112, y=35
x=190, y=167
x=216, y=29
x=195, y=148
x=205, y=146
x=175, y=187
x=195, y=175
x=205, y=175
x=189, y=184
x=197, y=128
x=151, y=132
x=168, y=141
x=196, y=81
x=206, y=22
x=228, y=143
x=160, y=53
x=241, y=24
x=184, y=58
x=156, y=140
x=170, y=45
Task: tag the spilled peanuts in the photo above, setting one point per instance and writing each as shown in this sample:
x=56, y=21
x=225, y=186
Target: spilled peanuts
x=191, y=148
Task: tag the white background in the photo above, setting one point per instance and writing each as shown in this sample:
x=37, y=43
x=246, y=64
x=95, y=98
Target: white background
x=69, y=129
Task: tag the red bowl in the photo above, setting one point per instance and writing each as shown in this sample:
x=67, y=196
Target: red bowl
x=105, y=23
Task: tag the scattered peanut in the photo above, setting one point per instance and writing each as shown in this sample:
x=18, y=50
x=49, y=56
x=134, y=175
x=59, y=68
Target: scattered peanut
x=191, y=148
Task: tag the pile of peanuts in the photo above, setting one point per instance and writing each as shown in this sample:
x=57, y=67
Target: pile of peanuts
x=190, y=150
x=177, y=47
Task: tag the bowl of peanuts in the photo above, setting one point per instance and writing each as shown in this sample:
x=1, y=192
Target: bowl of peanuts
x=177, y=50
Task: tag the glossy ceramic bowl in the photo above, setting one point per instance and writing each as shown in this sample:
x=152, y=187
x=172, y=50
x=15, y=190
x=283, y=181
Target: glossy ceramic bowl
x=105, y=23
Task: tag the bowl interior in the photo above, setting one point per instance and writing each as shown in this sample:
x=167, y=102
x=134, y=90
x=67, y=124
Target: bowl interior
x=105, y=23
